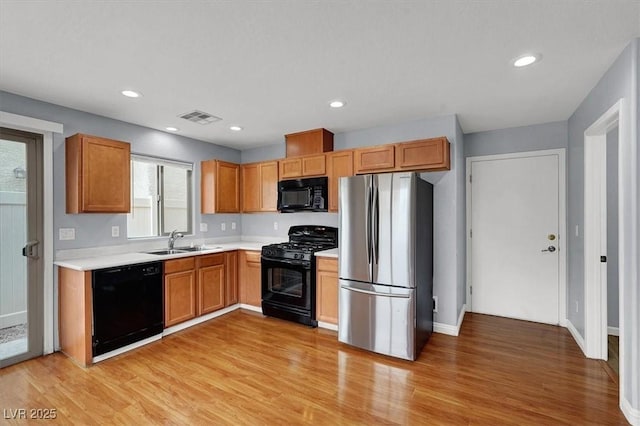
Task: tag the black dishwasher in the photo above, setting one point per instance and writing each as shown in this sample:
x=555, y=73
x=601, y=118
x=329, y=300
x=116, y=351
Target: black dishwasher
x=127, y=305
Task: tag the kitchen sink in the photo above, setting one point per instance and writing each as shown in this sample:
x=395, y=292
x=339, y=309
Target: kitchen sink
x=198, y=248
x=161, y=252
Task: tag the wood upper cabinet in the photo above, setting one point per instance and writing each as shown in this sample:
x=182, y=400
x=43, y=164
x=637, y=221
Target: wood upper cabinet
x=312, y=165
x=211, y=283
x=309, y=142
x=98, y=175
x=374, y=159
x=426, y=154
x=259, y=187
x=339, y=164
x=250, y=277
x=219, y=187
x=179, y=291
x=231, y=278
x=327, y=290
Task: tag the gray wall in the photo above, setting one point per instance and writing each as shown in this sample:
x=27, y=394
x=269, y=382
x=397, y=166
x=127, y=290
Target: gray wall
x=449, y=220
x=612, y=229
x=94, y=230
x=620, y=81
x=518, y=139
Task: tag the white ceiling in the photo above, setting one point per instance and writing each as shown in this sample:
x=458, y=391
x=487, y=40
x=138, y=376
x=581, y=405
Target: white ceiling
x=271, y=67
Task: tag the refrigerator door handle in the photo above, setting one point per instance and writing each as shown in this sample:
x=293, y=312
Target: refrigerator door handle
x=368, y=225
x=374, y=293
x=376, y=224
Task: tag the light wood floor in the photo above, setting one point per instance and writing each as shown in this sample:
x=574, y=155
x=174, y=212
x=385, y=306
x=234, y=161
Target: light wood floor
x=245, y=369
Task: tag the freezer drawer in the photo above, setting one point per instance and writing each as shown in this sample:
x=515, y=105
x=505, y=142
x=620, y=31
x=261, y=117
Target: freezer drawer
x=378, y=318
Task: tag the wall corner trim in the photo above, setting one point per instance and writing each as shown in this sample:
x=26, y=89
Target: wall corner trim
x=632, y=415
x=451, y=330
x=576, y=336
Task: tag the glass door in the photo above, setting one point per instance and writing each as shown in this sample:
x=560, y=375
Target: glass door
x=21, y=277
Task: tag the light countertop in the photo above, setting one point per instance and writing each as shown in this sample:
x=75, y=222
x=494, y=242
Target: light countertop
x=332, y=253
x=112, y=260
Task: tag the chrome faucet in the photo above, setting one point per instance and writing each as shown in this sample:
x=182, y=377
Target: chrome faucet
x=173, y=237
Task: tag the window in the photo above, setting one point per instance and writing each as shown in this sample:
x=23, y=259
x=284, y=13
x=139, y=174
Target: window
x=160, y=197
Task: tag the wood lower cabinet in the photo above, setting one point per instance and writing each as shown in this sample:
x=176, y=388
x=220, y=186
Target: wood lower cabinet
x=327, y=290
x=219, y=187
x=211, y=283
x=339, y=164
x=374, y=159
x=259, y=187
x=75, y=314
x=98, y=175
x=426, y=154
x=250, y=277
x=231, y=278
x=179, y=291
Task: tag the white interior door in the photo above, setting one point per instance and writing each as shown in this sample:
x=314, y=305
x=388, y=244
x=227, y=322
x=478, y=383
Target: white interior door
x=514, y=241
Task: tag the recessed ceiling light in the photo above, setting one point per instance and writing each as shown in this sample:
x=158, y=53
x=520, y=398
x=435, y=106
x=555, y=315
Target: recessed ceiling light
x=337, y=104
x=131, y=94
x=235, y=128
x=172, y=129
x=525, y=60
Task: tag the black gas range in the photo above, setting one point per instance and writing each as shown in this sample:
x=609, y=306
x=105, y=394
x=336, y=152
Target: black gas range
x=289, y=273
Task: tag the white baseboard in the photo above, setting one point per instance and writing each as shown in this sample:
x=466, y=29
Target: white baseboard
x=198, y=320
x=451, y=330
x=328, y=325
x=126, y=348
x=251, y=307
x=613, y=331
x=632, y=414
x=576, y=336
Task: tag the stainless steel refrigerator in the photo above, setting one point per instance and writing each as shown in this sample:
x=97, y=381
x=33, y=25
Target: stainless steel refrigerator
x=386, y=263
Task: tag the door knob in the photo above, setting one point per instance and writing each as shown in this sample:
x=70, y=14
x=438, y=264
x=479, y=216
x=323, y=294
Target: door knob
x=550, y=249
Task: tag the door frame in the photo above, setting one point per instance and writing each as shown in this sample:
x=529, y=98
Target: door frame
x=47, y=130
x=562, y=221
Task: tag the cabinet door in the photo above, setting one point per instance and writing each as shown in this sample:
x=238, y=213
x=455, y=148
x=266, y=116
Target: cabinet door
x=211, y=285
x=374, y=159
x=179, y=297
x=231, y=277
x=426, y=154
x=250, y=187
x=98, y=175
x=339, y=164
x=314, y=165
x=314, y=141
x=250, y=278
x=269, y=186
x=327, y=291
x=207, y=186
x=290, y=168
x=227, y=187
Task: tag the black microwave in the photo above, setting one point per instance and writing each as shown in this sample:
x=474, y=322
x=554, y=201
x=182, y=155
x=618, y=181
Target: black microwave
x=302, y=195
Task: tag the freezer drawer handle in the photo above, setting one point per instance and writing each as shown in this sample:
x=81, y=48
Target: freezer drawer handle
x=373, y=293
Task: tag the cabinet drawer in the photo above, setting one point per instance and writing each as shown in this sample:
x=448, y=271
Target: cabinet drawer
x=177, y=265
x=329, y=265
x=253, y=256
x=210, y=260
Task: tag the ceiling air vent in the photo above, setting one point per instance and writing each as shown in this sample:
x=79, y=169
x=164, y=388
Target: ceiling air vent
x=200, y=117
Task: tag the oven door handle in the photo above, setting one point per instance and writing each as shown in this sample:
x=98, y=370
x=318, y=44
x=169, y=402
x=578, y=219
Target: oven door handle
x=287, y=261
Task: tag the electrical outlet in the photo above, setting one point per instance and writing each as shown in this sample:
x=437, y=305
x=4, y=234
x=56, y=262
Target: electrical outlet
x=275, y=226
x=435, y=304
x=115, y=231
x=233, y=225
x=204, y=227
x=577, y=230
x=577, y=307
x=67, y=234
x=223, y=226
